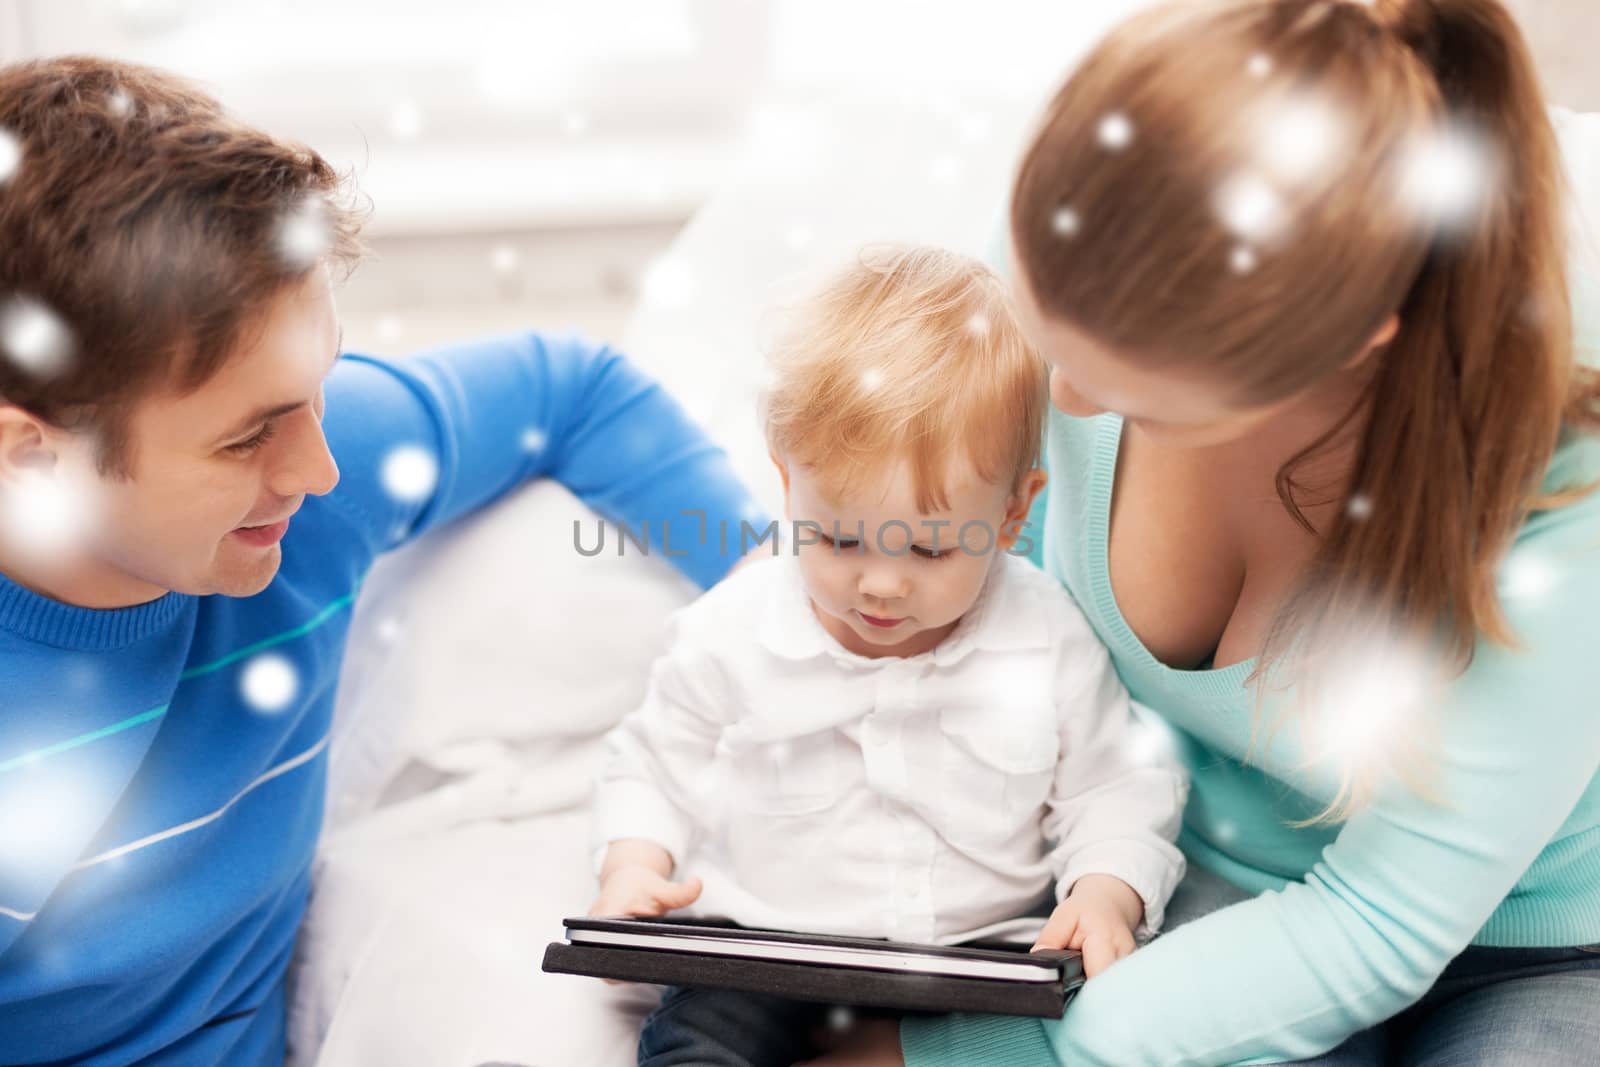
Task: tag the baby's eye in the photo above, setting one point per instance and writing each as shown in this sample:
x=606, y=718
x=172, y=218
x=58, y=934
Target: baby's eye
x=930, y=553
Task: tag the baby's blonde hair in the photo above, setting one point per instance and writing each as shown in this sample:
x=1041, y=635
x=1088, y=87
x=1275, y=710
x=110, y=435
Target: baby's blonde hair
x=914, y=354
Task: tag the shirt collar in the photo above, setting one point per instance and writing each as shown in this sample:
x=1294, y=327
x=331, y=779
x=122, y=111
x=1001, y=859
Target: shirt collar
x=1007, y=615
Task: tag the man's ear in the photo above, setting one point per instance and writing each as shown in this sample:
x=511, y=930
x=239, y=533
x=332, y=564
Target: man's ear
x=26, y=444
x=1019, y=505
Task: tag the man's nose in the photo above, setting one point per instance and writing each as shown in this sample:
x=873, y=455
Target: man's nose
x=307, y=465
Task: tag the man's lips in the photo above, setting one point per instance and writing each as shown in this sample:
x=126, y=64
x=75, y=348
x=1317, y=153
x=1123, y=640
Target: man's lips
x=265, y=534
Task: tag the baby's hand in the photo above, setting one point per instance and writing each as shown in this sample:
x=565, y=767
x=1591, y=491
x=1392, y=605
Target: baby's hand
x=633, y=881
x=638, y=890
x=1098, y=919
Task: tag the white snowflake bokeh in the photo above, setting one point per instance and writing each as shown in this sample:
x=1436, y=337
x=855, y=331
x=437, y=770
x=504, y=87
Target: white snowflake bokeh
x=1526, y=574
x=33, y=338
x=1149, y=742
x=10, y=155
x=669, y=284
x=533, y=439
x=872, y=379
x=1371, y=701
x=1299, y=136
x=1242, y=260
x=1064, y=222
x=410, y=473
x=504, y=259
x=59, y=806
x=269, y=682
x=1446, y=176
x=1115, y=132
x=391, y=328
x=1359, y=507
x=305, y=234
x=405, y=120
x=1250, y=207
x=49, y=517
x=1260, y=65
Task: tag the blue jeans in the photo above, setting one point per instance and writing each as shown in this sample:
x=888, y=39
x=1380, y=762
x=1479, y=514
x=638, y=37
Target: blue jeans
x=1505, y=1007
x=1492, y=1007
x=723, y=1028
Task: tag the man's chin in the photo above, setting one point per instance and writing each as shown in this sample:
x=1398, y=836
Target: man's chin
x=247, y=577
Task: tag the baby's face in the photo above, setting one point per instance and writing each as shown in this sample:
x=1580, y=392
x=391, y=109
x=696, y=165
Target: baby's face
x=897, y=581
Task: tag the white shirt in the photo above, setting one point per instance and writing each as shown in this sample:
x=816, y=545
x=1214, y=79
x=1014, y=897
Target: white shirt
x=918, y=798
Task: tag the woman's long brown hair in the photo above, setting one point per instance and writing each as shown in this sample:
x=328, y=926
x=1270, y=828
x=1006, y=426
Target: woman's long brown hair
x=1465, y=404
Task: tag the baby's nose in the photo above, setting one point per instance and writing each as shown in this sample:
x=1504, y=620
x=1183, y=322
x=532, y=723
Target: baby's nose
x=883, y=583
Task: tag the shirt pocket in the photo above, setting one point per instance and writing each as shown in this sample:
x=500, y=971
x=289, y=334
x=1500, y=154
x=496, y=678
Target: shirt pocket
x=997, y=764
x=792, y=776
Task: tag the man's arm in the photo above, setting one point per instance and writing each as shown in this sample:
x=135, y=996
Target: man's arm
x=424, y=440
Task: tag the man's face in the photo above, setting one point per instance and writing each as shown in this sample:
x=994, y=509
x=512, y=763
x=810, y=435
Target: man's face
x=216, y=474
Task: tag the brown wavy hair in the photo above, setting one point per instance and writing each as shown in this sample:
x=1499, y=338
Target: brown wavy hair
x=148, y=221
x=1466, y=402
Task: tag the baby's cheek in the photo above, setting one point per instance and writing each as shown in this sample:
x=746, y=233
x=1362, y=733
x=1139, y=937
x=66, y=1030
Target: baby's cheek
x=960, y=586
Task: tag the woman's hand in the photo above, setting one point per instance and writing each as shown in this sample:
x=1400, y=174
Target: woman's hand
x=868, y=1043
x=1098, y=919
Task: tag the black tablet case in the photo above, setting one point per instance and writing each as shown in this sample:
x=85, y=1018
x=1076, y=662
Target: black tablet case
x=830, y=984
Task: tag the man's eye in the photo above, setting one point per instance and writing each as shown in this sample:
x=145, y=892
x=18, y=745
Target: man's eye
x=250, y=444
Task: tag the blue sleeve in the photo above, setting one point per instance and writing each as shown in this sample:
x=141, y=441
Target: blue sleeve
x=424, y=440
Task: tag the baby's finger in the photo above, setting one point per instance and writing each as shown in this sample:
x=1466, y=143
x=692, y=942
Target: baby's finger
x=607, y=905
x=1124, y=943
x=1098, y=953
x=1058, y=931
x=671, y=895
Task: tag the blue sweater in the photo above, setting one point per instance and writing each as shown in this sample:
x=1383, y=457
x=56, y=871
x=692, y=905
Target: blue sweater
x=156, y=828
